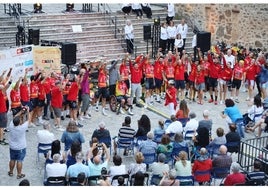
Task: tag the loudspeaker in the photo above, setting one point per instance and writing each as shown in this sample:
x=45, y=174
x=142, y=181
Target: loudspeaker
x=68, y=53
x=203, y=40
x=147, y=32
x=33, y=36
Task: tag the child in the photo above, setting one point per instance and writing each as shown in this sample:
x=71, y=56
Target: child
x=171, y=94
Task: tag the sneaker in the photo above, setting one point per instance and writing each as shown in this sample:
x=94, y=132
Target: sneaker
x=130, y=112
x=139, y=105
x=122, y=111
x=86, y=117
x=236, y=100
x=59, y=128
x=80, y=125
x=62, y=118
x=45, y=118
x=104, y=112
x=6, y=130
x=81, y=118
x=145, y=106
x=151, y=103
x=221, y=102
x=96, y=108
x=247, y=99
x=216, y=102
x=89, y=115
x=68, y=116
x=32, y=125
x=3, y=142
x=210, y=101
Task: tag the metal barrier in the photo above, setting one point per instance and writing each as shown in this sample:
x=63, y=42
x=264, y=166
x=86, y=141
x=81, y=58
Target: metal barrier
x=251, y=150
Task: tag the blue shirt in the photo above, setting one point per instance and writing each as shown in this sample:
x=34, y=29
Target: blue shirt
x=69, y=137
x=233, y=113
x=75, y=169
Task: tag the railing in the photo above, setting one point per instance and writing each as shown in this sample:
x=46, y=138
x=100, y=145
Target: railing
x=251, y=150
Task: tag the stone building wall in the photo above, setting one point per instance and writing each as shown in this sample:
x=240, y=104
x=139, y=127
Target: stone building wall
x=245, y=24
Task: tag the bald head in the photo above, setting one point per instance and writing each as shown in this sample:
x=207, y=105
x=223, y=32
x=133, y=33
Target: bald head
x=223, y=149
x=97, y=160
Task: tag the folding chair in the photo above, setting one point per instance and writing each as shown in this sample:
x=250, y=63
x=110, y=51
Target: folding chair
x=56, y=181
x=155, y=179
x=189, y=135
x=93, y=180
x=42, y=149
x=219, y=173
x=149, y=158
x=183, y=121
x=123, y=143
x=125, y=176
x=186, y=180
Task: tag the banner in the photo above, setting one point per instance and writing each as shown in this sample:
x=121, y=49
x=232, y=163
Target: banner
x=47, y=58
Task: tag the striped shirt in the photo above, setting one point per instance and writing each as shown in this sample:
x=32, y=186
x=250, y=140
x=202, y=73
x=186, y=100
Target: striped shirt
x=126, y=132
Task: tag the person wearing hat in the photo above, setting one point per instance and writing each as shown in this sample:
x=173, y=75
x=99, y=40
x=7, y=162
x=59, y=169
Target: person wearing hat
x=171, y=94
x=102, y=134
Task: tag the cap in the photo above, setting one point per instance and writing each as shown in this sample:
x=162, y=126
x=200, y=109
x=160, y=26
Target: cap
x=171, y=82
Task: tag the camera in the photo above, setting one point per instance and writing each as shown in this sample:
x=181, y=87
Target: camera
x=99, y=145
x=24, y=109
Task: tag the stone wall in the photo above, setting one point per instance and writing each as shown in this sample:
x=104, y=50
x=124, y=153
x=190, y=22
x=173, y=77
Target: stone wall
x=245, y=24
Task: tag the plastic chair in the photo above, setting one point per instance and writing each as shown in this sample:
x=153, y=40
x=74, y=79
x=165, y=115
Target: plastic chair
x=186, y=180
x=40, y=150
x=56, y=181
x=146, y=179
x=177, y=150
x=93, y=180
x=189, y=135
x=202, y=173
x=167, y=122
x=219, y=173
x=183, y=121
x=155, y=179
x=125, y=176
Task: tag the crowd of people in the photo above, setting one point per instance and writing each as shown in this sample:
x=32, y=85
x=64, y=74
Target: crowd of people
x=174, y=78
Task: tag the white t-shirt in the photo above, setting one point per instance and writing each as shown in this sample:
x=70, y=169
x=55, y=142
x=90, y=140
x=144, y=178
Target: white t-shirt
x=56, y=169
x=171, y=10
x=174, y=127
x=191, y=125
x=45, y=137
x=163, y=34
x=117, y=170
x=171, y=32
x=194, y=41
x=231, y=59
x=178, y=43
x=256, y=112
x=183, y=30
x=17, y=136
x=129, y=32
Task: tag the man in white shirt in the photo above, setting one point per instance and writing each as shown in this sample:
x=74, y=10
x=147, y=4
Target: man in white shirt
x=191, y=125
x=45, y=136
x=56, y=169
x=182, y=28
x=230, y=58
x=129, y=36
x=175, y=126
x=171, y=12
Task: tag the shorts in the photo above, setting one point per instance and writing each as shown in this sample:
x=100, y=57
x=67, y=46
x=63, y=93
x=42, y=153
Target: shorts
x=57, y=112
x=222, y=82
x=17, y=155
x=236, y=84
x=27, y=103
x=34, y=102
x=119, y=98
x=102, y=91
x=64, y=101
x=213, y=82
x=72, y=104
x=41, y=103
x=3, y=120
x=200, y=87
x=251, y=83
x=149, y=83
x=158, y=83
x=179, y=84
x=186, y=77
x=16, y=110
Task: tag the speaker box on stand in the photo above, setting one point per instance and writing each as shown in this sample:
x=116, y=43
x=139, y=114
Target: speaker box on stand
x=68, y=53
x=33, y=36
x=147, y=32
x=204, y=41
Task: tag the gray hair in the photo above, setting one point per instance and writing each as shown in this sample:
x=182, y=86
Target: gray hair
x=192, y=115
x=161, y=157
x=235, y=167
x=203, y=151
x=79, y=156
x=56, y=158
x=205, y=113
x=150, y=135
x=172, y=174
x=46, y=125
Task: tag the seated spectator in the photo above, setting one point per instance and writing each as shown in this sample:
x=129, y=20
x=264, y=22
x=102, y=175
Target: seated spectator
x=45, y=136
x=96, y=151
x=235, y=177
x=165, y=146
x=222, y=160
x=158, y=168
x=97, y=164
x=139, y=179
x=169, y=179
x=147, y=9
x=219, y=140
x=256, y=177
x=183, y=166
x=125, y=132
x=70, y=135
x=231, y=137
x=81, y=179
x=144, y=126
x=138, y=166
x=201, y=139
x=105, y=181
x=160, y=130
x=78, y=167
x=192, y=124
x=55, y=148
x=117, y=169
x=175, y=126
x=148, y=146
x=202, y=163
x=102, y=133
x=75, y=148
x=126, y=8
x=206, y=122
x=179, y=141
x=136, y=8
x=24, y=182
x=183, y=111
x=254, y=113
x=55, y=169
x=261, y=124
x=121, y=181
